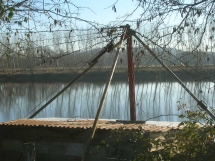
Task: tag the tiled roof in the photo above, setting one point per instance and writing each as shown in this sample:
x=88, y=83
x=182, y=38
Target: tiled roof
x=86, y=124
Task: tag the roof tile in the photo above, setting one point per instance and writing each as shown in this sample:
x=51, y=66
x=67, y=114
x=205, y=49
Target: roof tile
x=86, y=124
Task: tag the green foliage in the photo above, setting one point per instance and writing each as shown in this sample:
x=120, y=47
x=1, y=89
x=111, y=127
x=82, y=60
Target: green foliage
x=6, y=11
x=194, y=142
x=121, y=141
x=11, y=12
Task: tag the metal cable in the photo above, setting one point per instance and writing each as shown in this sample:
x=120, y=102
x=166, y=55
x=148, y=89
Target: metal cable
x=199, y=102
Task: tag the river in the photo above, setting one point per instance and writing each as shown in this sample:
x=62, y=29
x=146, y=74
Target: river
x=154, y=100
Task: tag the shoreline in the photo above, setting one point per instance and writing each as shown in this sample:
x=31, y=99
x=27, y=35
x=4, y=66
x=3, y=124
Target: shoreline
x=160, y=75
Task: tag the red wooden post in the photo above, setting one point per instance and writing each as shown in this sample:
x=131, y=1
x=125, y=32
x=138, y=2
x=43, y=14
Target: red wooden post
x=131, y=77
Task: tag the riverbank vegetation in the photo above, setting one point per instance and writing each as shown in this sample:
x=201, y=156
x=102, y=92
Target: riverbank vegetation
x=194, y=141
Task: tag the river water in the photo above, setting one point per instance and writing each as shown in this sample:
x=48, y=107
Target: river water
x=153, y=100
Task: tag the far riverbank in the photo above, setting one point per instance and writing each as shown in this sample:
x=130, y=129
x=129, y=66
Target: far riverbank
x=101, y=75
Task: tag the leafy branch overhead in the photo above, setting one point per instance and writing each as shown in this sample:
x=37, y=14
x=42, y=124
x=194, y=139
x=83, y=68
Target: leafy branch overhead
x=164, y=22
x=8, y=8
x=19, y=19
x=39, y=13
x=172, y=19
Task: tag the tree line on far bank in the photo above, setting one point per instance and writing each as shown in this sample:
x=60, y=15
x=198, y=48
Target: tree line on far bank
x=35, y=58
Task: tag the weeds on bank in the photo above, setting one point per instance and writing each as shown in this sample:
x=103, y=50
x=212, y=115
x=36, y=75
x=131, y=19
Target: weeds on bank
x=193, y=142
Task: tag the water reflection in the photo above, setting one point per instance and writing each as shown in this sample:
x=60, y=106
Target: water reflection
x=82, y=100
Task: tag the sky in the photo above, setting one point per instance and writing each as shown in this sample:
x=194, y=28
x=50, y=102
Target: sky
x=102, y=10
